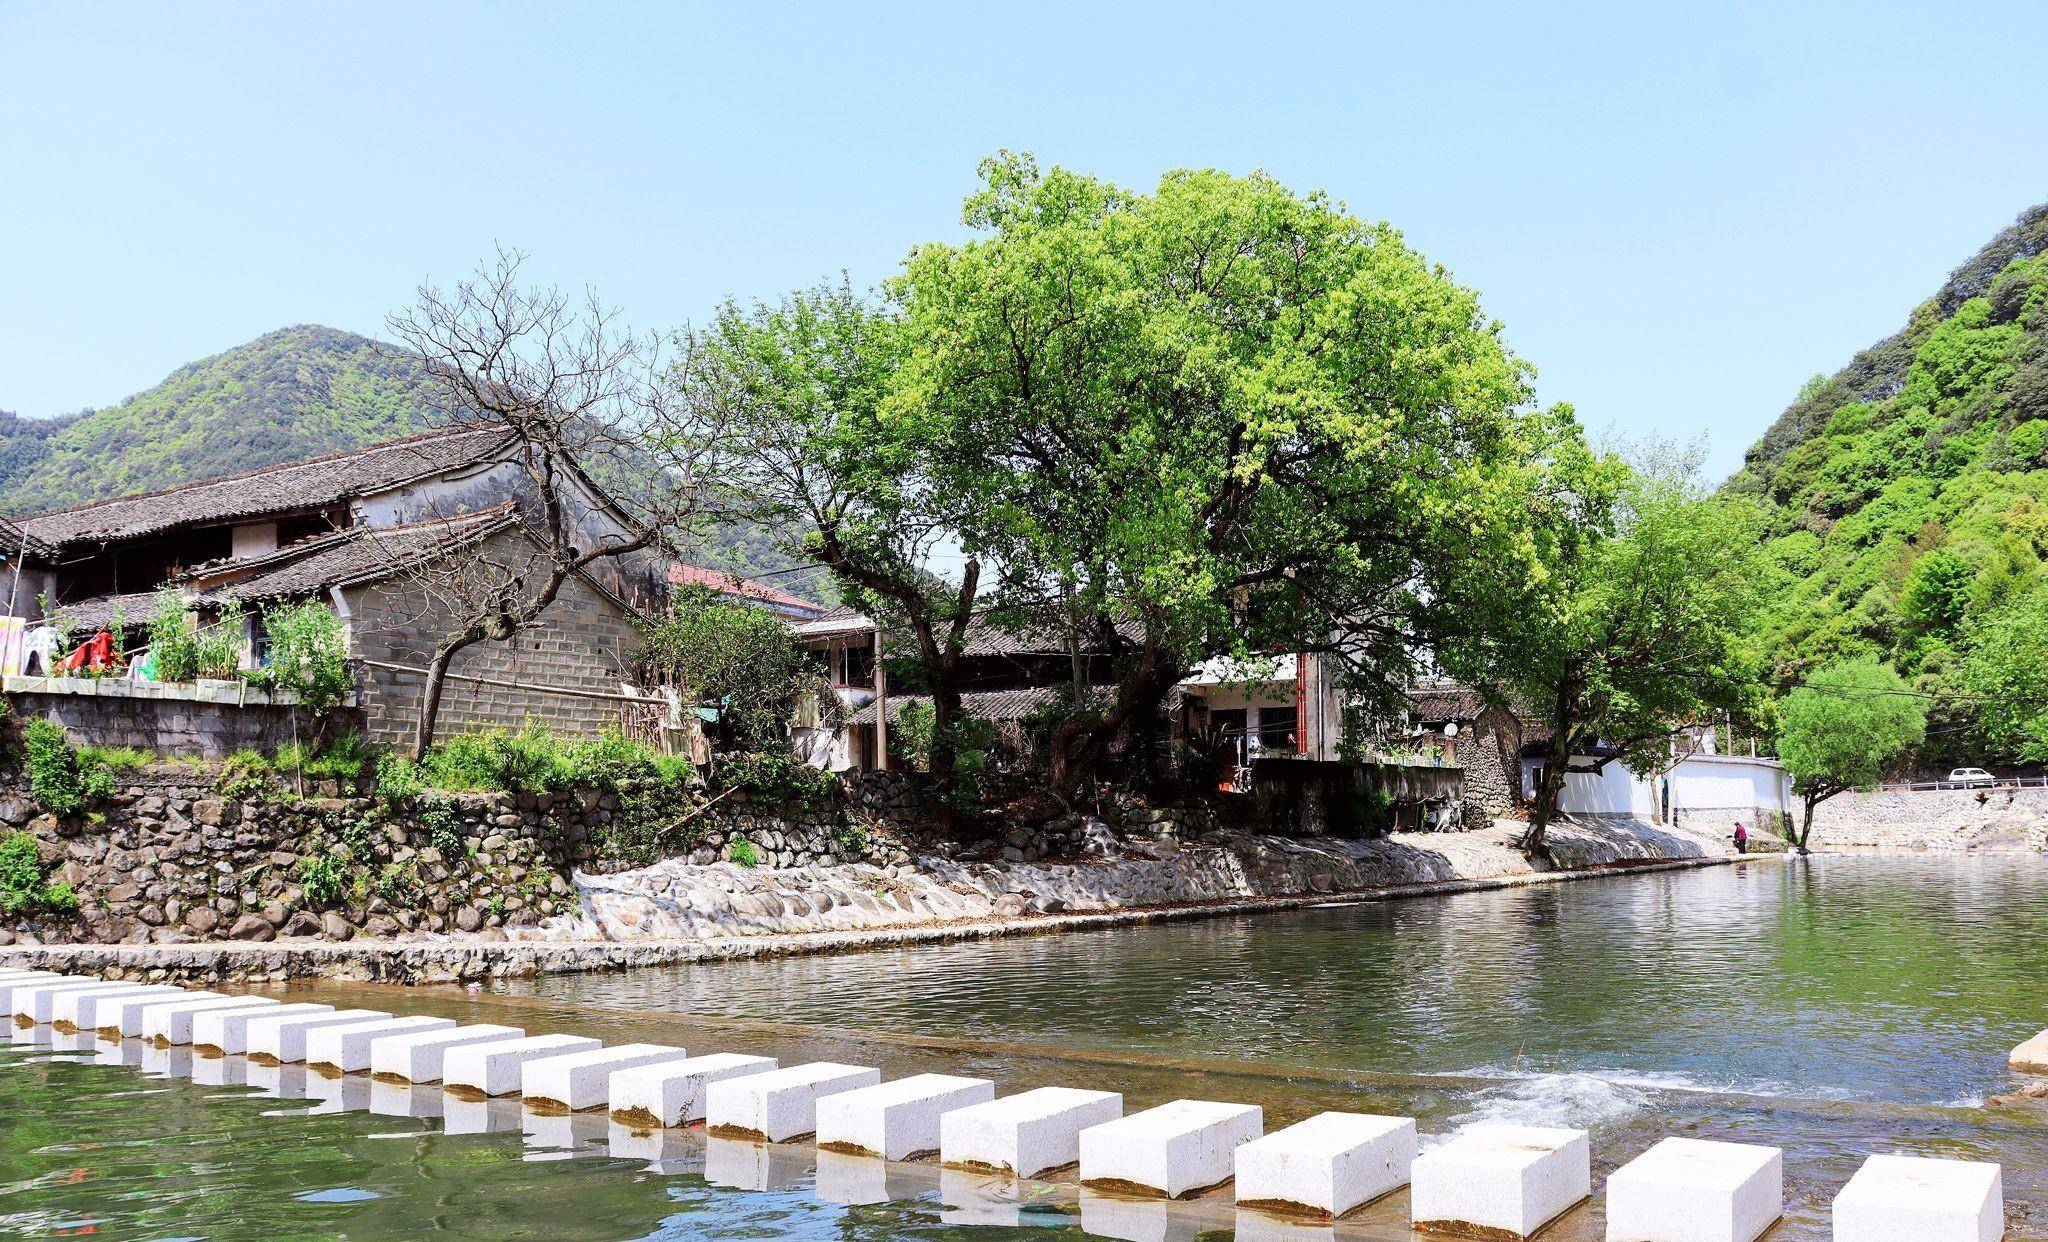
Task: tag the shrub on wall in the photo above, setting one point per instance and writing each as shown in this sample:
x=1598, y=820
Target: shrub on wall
x=23, y=889
x=778, y=777
x=173, y=646
x=308, y=655
x=63, y=781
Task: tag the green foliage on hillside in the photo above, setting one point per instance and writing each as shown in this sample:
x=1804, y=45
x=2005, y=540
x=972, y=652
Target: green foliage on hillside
x=294, y=393
x=1910, y=523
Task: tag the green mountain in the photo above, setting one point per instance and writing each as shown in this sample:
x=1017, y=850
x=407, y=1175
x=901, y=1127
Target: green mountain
x=294, y=393
x=1908, y=506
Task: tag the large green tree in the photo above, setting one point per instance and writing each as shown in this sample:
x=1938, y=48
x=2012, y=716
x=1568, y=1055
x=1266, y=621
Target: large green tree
x=795, y=393
x=1613, y=608
x=1219, y=417
x=2007, y=673
x=1840, y=730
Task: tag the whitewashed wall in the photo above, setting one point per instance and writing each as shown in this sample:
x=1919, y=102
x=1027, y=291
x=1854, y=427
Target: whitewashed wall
x=1703, y=782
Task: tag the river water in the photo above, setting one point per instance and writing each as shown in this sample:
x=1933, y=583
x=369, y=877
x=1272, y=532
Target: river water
x=1836, y=1007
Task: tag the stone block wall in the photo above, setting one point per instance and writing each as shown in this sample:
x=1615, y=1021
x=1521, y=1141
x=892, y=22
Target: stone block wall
x=585, y=641
x=204, y=722
x=1996, y=818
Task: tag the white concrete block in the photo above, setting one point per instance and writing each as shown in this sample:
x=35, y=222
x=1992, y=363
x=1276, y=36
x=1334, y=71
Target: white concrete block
x=1027, y=1133
x=1508, y=1181
x=12, y=989
x=122, y=1019
x=347, y=1048
x=580, y=1080
x=171, y=1021
x=80, y=1009
x=1174, y=1150
x=493, y=1068
x=781, y=1104
x=1918, y=1199
x=226, y=1030
x=896, y=1120
x=37, y=1002
x=1327, y=1165
x=672, y=1093
x=419, y=1057
x=282, y=1037
x=2030, y=1057
x=1689, y=1190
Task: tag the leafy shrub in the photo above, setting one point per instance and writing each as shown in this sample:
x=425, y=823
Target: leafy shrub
x=172, y=642
x=244, y=774
x=732, y=656
x=23, y=889
x=399, y=780
x=308, y=655
x=742, y=851
x=534, y=761
x=323, y=878
x=344, y=758
x=2029, y=440
x=444, y=830
x=62, y=782
x=778, y=777
x=217, y=649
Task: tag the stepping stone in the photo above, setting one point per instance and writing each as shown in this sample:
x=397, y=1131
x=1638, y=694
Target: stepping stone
x=1025, y=1134
x=35, y=1002
x=2030, y=1057
x=493, y=1068
x=419, y=1057
x=780, y=1104
x=122, y=1019
x=346, y=1049
x=226, y=1030
x=81, y=1010
x=582, y=1080
x=896, y=1120
x=1327, y=1165
x=1176, y=1150
x=1918, y=1199
x=282, y=1037
x=672, y=1093
x=1689, y=1190
x=1501, y=1181
x=172, y=1021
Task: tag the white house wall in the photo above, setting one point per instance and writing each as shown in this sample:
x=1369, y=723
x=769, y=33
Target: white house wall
x=1701, y=786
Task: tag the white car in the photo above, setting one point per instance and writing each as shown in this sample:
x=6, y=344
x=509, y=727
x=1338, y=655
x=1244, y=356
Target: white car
x=1971, y=776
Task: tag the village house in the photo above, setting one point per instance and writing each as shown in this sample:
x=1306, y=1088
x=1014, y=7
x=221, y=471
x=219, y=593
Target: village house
x=362, y=532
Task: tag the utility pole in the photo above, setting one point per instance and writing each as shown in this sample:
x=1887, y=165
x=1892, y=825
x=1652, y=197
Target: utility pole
x=881, y=708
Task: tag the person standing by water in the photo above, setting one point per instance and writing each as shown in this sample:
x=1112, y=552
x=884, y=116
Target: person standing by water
x=1741, y=838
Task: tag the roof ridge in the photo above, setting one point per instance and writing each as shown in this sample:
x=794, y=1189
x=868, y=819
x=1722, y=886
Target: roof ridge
x=339, y=454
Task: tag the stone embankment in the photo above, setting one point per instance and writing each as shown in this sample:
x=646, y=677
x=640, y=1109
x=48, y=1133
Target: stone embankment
x=739, y=912
x=1993, y=820
x=679, y=900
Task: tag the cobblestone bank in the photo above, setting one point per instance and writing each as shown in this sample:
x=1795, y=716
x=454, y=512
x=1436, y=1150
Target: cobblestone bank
x=679, y=900
x=2005, y=820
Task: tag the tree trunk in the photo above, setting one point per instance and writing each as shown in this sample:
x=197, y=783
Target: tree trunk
x=1806, y=822
x=430, y=701
x=1550, y=777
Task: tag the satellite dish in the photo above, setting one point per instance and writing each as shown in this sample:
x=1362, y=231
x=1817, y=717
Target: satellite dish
x=1451, y=729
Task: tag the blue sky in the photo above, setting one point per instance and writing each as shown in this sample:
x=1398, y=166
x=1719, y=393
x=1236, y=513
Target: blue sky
x=1679, y=212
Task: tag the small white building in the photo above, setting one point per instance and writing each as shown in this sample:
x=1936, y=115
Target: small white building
x=1704, y=791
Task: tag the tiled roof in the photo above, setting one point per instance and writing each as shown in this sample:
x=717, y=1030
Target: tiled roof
x=730, y=583
x=88, y=615
x=14, y=541
x=998, y=705
x=1445, y=701
x=275, y=489
x=364, y=553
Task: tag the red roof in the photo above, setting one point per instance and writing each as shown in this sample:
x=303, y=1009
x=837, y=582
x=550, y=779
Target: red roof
x=729, y=583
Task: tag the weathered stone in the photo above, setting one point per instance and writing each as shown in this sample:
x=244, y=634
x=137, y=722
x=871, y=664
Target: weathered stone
x=252, y=927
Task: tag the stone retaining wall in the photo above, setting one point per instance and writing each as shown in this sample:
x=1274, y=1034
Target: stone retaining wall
x=1934, y=819
x=207, y=720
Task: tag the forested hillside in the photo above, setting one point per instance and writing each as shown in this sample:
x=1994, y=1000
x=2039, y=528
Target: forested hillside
x=1908, y=507
x=297, y=392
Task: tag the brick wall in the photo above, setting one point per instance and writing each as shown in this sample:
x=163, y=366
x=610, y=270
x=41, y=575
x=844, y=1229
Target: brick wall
x=170, y=721
x=585, y=641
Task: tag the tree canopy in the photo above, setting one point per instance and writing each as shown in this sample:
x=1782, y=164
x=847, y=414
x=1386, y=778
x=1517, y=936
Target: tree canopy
x=1842, y=728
